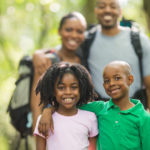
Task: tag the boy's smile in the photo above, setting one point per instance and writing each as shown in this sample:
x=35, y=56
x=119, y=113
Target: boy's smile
x=116, y=81
x=67, y=92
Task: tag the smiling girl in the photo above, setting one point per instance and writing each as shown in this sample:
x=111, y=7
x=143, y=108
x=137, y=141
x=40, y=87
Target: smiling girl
x=67, y=86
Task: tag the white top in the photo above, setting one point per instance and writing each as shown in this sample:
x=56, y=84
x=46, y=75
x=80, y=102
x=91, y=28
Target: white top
x=71, y=132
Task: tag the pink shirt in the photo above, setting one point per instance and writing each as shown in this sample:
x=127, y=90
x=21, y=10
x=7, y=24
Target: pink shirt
x=71, y=133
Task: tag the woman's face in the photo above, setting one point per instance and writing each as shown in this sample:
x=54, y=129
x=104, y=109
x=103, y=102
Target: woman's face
x=72, y=33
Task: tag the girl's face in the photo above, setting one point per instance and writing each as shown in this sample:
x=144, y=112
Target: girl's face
x=72, y=33
x=67, y=92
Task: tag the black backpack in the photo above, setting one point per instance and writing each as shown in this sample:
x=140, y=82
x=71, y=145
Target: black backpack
x=135, y=39
x=19, y=106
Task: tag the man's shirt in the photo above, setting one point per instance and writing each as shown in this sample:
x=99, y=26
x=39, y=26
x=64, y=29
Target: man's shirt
x=121, y=130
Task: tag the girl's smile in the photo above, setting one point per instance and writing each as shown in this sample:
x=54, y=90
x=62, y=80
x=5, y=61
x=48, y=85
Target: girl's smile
x=67, y=92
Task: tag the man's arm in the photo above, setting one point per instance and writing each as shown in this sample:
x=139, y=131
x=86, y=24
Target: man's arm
x=40, y=61
x=93, y=143
x=146, y=81
x=40, y=143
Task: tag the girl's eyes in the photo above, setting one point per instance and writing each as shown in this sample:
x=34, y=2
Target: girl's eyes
x=61, y=88
x=74, y=87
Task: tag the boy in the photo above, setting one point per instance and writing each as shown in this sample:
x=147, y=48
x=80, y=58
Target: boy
x=123, y=123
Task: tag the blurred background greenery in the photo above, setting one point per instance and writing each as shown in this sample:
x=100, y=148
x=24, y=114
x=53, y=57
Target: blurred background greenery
x=27, y=25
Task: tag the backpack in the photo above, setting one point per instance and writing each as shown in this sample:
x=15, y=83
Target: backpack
x=19, y=106
x=135, y=39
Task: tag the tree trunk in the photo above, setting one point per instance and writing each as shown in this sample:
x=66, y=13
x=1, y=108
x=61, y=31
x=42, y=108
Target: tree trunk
x=88, y=11
x=146, y=4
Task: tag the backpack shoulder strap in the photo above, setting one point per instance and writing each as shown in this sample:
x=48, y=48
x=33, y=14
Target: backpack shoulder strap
x=135, y=39
x=88, y=42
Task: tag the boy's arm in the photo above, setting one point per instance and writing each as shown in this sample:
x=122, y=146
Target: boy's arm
x=95, y=107
x=40, y=143
x=93, y=143
x=46, y=121
x=145, y=133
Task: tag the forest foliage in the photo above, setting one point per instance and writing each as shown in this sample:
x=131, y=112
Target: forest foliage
x=27, y=25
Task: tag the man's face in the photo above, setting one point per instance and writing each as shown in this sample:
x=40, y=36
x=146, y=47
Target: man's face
x=107, y=13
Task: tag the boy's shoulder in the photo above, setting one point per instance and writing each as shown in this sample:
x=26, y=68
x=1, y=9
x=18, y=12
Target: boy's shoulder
x=139, y=110
x=145, y=115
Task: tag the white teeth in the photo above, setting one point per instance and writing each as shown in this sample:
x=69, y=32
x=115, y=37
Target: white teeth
x=107, y=17
x=67, y=99
x=72, y=42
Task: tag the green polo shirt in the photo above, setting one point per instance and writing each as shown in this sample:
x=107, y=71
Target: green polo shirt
x=121, y=130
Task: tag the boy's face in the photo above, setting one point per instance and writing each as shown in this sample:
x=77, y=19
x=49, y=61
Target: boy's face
x=117, y=82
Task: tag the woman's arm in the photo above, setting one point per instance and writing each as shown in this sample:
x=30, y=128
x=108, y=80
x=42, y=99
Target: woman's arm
x=93, y=143
x=40, y=143
x=40, y=64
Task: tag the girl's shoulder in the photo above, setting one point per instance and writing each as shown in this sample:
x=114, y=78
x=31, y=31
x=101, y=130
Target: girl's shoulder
x=86, y=114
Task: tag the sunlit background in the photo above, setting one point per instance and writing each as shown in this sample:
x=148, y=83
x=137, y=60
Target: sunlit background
x=27, y=25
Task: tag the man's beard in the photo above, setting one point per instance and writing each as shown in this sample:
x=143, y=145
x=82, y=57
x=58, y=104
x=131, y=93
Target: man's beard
x=109, y=26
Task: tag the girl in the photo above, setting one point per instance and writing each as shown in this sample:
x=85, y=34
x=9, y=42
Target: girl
x=71, y=31
x=67, y=86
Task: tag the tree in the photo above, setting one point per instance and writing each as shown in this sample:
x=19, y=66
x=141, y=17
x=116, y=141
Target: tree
x=146, y=5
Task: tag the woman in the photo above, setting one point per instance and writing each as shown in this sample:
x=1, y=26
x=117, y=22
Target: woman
x=71, y=31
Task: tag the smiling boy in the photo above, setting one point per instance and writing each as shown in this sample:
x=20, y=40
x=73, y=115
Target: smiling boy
x=123, y=122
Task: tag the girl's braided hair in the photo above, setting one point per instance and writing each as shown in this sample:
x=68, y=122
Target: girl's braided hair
x=46, y=83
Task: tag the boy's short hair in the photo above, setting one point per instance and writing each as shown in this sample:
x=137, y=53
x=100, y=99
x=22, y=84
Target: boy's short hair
x=124, y=65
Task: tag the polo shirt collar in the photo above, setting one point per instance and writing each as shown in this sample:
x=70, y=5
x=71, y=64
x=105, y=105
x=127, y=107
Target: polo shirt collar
x=136, y=110
x=110, y=104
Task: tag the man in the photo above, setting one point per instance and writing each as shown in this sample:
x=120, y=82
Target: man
x=112, y=42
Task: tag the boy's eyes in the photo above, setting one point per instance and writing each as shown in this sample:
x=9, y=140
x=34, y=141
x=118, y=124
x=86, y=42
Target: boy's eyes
x=106, y=81
x=117, y=78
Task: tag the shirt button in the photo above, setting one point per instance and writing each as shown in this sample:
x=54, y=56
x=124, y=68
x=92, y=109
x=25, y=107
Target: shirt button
x=116, y=121
x=119, y=113
x=115, y=106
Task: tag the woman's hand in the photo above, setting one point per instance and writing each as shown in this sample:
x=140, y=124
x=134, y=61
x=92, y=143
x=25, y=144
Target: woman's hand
x=46, y=121
x=40, y=62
